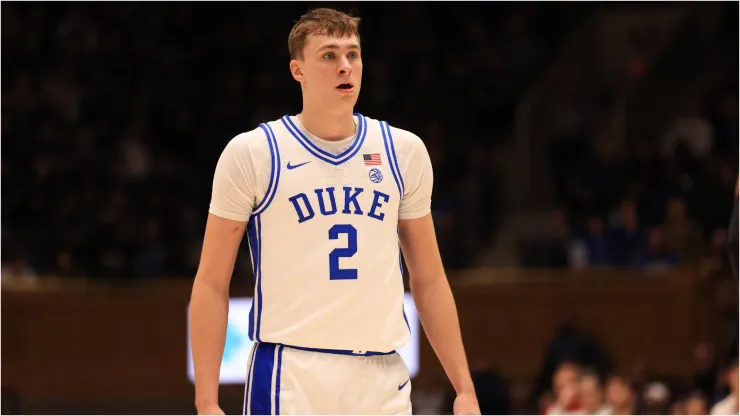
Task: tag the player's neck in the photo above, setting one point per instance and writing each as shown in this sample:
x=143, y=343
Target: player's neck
x=328, y=126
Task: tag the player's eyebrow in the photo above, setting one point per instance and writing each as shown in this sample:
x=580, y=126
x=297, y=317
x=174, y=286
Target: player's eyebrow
x=335, y=46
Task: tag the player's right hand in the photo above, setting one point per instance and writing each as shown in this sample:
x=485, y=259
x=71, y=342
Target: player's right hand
x=210, y=410
x=466, y=404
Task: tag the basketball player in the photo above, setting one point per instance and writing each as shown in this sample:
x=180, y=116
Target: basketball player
x=326, y=198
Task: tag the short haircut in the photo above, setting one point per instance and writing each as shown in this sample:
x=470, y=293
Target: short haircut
x=321, y=22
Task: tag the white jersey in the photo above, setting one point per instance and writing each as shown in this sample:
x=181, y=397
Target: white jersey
x=323, y=230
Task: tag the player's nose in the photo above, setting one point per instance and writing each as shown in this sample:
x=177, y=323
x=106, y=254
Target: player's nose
x=344, y=67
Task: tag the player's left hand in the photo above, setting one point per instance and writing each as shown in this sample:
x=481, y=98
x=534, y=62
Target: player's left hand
x=466, y=404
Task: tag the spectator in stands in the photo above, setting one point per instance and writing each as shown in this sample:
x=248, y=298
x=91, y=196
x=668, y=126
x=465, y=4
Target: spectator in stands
x=627, y=238
x=729, y=404
x=559, y=243
x=696, y=403
x=596, y=243
x=591, y=392
x=545, y=402
x=566, y=391
x=569, y=345
x=704, y=378
x=678, y=407
x=657, y=255
x=684, y=237
x=620, y=395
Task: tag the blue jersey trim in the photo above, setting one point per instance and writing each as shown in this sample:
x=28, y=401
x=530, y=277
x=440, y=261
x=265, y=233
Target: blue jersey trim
x=277, y=379
x=400, y=254
x=406, y=320
x=390, y=159
x=250, y=367
x=259, y=283
x=303, y=139
x=400, y=267
x=335, y=160
x=340, y=352
x=254, y=250
x=274, y=170
x=260, y=399
x=254, y=234
x=395, y=158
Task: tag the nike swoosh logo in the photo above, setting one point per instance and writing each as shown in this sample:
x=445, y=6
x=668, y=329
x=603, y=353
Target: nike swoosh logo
x=291, y=167
x=401, y=386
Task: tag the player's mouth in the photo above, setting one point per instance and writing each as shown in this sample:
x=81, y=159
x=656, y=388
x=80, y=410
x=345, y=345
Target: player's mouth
x=346, y=88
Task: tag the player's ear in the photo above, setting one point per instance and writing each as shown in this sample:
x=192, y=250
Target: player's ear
x=296, y=70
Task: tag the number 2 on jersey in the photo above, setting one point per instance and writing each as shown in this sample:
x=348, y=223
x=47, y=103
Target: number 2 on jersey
x=335, y=273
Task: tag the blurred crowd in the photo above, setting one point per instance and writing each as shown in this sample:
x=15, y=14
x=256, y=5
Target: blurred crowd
x=650, y=202
x=578, y=377
x=578, y=390
x=115, y=114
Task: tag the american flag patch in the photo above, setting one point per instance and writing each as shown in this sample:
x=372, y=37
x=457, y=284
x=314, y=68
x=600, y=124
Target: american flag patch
x=371, y=159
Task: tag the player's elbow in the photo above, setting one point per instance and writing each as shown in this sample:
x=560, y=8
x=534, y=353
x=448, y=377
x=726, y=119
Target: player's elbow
x=213, y=275
x=208, y=279
x=424, y=279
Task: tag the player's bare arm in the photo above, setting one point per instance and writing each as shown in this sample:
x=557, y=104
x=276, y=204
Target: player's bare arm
x=231, y=205
x=209, y=307
x=436, y=305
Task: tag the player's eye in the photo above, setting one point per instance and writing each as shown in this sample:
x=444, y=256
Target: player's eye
x=329, y=55
x=353, y=55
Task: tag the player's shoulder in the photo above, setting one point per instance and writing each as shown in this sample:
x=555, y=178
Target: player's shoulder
x=248, y=147
x=257, y=134
x=402, y=138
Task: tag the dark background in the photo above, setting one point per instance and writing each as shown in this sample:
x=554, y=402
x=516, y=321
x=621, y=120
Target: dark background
x=564, y=136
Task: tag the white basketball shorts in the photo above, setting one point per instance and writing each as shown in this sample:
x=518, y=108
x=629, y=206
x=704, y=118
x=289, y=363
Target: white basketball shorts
x=291, y=380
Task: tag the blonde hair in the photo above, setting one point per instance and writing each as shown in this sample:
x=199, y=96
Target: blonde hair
x=320, y=22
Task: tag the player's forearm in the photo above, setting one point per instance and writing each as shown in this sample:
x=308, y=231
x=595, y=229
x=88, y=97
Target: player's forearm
x=208, y=320
x=438, y=315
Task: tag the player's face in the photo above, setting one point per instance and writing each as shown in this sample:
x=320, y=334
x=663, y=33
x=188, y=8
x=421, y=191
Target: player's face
x=331, y=70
